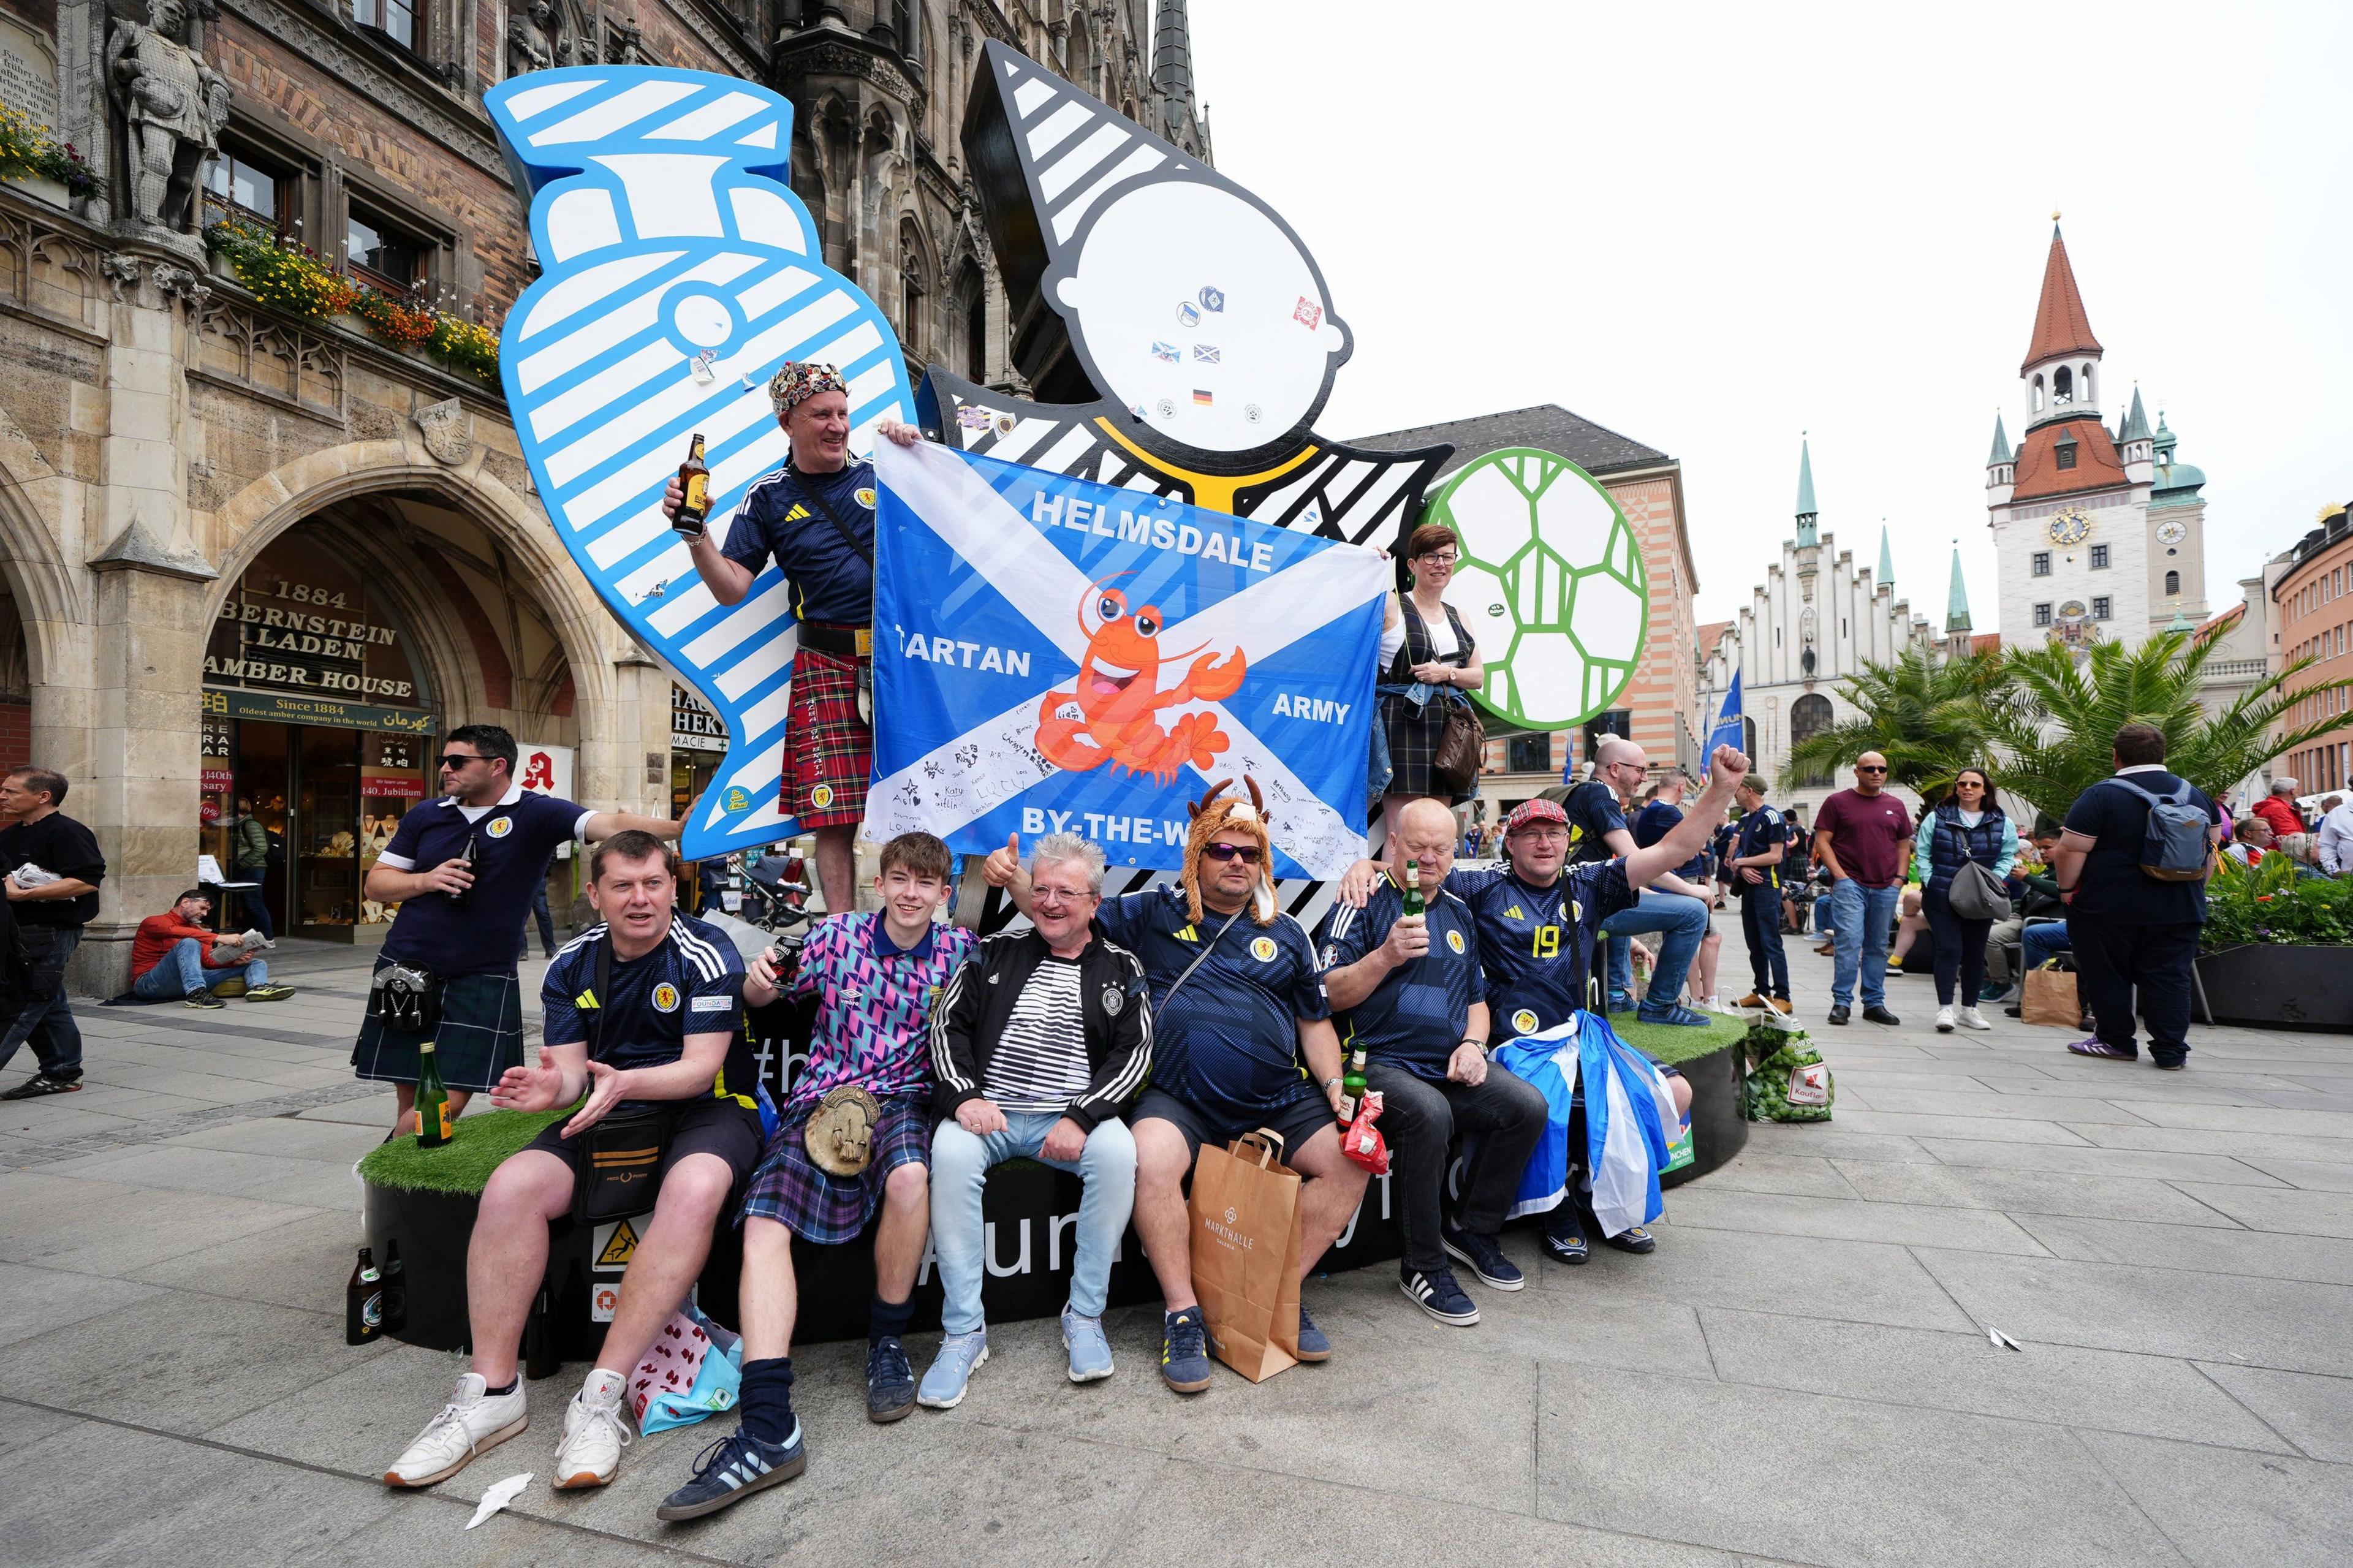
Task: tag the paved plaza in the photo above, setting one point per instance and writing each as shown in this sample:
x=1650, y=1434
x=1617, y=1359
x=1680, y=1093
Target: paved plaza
x=1802, y=1373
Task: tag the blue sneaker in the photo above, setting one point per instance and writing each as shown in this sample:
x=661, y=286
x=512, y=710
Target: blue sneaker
x=1090, y=1351
x=1620, y=1003
x=1313, y=1345
x=960, y=1356
x=1438, y=1294
x=1675, y=1013
x=890, y=1381
x=1484, y=1258
x=731, y=1469
x=1183, y=1352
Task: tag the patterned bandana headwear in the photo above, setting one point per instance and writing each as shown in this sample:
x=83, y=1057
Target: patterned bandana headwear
x=802, y=380
x=1529, y=813
x=1212, y=817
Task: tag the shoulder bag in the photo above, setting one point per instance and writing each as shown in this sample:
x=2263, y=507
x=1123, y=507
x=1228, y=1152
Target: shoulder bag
x=1461, y=747
x=625, y=1149
x=1975, y=893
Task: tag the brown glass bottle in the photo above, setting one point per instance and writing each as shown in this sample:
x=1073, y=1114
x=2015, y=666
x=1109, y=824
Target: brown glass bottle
x=694, y=478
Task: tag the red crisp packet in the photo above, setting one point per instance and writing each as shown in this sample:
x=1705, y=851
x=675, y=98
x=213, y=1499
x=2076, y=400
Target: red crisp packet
x=1363, y=1142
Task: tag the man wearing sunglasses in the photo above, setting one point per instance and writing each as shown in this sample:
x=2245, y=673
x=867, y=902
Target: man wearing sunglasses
x=1238, y=1001
x=1675, y=908
x=462, y=870
x=1864, y=837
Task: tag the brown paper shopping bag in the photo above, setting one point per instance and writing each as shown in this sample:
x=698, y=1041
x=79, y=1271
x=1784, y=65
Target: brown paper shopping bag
x=2050, y=998
x=1245, y=1212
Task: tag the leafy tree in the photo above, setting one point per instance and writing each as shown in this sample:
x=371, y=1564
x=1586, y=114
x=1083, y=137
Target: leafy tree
x=2057, y=728
x=1928, y=715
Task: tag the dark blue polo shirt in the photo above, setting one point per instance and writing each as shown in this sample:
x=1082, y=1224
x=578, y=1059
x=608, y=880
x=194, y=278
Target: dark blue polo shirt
x=2112, y=886
x=1420, y=1011
x=513, y=842
x=1535, y=944
x=1593, y=813
x=1654, y=822
x=1227, y=1043
x=690, y=985
x=831, y=582
x=1754, y=834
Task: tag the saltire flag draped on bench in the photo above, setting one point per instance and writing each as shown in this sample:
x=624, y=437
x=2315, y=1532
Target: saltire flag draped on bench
x=1052, y=655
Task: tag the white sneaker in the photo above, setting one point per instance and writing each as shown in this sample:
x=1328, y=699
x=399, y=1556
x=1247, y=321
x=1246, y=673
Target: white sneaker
x=473, y=1420
x=1944, y=1020
x=1967, y=1018
x=595, y=1433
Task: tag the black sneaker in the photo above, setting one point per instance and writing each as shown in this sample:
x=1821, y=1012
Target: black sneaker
x=1838, y=1013
x=1483, y=1257
x=1637, y=1240
x=1313, y=1345
x=41, y=1083
x=1438, y=1294
x=1875, y=1014
x=731, y=1469
x=890, y=1381
x=204, y=1000
x=1564, y=1236
x=1183, y=1352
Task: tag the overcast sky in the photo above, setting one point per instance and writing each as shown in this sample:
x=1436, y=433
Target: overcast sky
x=1711, y=228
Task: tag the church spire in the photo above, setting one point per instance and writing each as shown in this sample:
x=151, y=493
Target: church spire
x=2002, y=453
x=1807, y=511
x=1957, y=600
x=1887, y=561
x=2061, y=327
x=1172, y=58
x=2135, y=422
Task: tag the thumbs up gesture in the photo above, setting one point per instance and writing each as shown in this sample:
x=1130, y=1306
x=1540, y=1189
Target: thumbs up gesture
x=1003, y=868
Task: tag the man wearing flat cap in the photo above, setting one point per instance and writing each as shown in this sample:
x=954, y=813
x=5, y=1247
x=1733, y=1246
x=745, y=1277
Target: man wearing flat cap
x=815, y=514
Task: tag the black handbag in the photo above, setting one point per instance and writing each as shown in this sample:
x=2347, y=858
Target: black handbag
x=625, y=1150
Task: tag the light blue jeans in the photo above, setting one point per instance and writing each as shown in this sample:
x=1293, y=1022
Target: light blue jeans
x=1682, y=923
x=183, y=970
x=960, y=1164
x=1862, y=917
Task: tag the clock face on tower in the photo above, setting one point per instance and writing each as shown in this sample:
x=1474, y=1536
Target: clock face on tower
x=2173, y=531
x=2070, y=526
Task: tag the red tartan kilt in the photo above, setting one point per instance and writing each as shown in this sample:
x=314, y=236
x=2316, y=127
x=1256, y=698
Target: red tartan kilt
x=828, y=749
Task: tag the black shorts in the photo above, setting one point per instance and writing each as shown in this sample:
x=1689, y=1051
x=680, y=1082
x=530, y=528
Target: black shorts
x=706, y=1126
x=1296, y=1124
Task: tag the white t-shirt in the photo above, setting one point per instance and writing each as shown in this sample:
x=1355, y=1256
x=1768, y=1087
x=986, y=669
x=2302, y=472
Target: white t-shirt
x=1443, y=643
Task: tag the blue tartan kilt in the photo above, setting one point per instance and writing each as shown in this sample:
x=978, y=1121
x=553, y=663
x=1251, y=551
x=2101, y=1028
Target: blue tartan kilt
x=480, y=1034
x=825, y=1209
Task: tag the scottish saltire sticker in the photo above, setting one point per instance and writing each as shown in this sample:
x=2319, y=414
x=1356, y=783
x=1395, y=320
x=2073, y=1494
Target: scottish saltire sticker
x=680, y=272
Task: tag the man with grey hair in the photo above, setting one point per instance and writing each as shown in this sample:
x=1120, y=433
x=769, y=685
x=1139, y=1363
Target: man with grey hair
x=2278, y=808
x=2336, y=839
x=1043, y=1039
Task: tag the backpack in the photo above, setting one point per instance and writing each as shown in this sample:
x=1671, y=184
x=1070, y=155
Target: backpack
x=2173, y=845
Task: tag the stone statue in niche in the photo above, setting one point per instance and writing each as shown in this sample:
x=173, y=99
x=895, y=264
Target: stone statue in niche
x=175, y=104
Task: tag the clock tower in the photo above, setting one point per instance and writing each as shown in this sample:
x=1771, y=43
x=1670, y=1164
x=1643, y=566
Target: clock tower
x=2076, y=531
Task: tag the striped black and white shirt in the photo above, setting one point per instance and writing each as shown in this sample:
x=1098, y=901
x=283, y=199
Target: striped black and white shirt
x=1041, y=1060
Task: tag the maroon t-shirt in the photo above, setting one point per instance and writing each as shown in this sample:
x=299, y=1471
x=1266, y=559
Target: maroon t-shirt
x=1867, y=833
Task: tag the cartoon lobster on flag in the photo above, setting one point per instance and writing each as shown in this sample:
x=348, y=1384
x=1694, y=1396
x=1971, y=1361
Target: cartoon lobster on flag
x=1117, y=693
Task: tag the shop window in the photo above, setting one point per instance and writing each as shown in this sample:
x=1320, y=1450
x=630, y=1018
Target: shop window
x=242, y=184
x=395, y=21
x=381, y=253
x=1528, y=754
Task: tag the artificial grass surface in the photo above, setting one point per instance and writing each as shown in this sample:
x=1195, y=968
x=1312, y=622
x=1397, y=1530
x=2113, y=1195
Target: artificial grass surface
x=464, y=1163
x=1672, y=1043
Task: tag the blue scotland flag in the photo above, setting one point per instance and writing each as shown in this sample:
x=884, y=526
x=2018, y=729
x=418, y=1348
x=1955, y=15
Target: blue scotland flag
x=1052, y=655
x=680, y=272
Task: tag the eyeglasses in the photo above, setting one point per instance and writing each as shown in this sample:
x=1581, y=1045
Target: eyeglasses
x=1246, y=853
x=456, y=760
x=1869, y=768
x=1057, y=896
x=1446, y=560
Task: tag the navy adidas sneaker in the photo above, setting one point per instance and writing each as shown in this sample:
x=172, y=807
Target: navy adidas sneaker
x=1313, y=1345
x=1185, y=1351
x=1483, y=1257
x=731, y=1469
x=890, y=1381
x=1438, y=1294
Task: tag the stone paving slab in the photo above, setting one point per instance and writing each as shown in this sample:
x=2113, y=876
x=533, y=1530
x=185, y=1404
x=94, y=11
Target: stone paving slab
x=2316, y=1413
x=2020, y=1193
x=2223, y=1509
x=2200, y=1249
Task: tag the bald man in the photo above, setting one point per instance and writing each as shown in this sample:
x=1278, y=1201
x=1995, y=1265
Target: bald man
x=1409, y=995
x=1675, y=908
x=1864, y=838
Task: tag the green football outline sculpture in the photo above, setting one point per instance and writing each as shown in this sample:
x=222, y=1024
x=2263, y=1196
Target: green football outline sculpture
x=1551, y=582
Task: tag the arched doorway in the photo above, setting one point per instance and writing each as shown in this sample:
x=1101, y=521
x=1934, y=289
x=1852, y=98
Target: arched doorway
x=1809, y=716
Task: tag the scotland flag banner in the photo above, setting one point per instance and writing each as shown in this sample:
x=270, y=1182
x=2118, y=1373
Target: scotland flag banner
x=1055, y=655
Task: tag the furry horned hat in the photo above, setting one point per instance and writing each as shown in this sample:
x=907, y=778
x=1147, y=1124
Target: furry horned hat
x=1212, y=817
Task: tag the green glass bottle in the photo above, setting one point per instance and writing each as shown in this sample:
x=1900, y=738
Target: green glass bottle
x=432, y=1102
x=1413, y=904
x=1352, y=1086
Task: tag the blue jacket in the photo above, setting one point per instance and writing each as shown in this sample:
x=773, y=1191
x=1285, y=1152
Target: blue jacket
x=1935, y=855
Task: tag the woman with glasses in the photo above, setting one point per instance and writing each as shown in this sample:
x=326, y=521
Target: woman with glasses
x=1967, y=826
x=1430, y=662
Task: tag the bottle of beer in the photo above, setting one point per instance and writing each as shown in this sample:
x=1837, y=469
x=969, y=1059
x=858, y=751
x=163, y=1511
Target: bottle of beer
x=363, y=1303
x=472, y=854
x=396, y=1289
x=540, y=1358
x=1413, y=901
x=432, y=1100
x=1352, y=1086
x=694, y=478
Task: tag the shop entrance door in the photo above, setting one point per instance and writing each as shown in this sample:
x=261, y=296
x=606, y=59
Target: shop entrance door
x=264, y=771
x=324, y=844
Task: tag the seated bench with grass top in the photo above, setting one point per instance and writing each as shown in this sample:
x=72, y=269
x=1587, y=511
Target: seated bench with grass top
x=423, y=1201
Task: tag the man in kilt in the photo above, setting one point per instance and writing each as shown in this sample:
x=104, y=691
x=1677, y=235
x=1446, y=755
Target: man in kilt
x=875, y=979
x=815, y=515
x=461, y=923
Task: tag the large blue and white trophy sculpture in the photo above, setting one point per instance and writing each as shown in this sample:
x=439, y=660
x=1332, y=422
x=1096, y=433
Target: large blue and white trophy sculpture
x=680, y=272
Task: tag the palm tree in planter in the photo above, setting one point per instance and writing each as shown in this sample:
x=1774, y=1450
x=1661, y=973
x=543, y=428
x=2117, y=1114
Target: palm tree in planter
x=2057, y=728
x=1928, y=715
